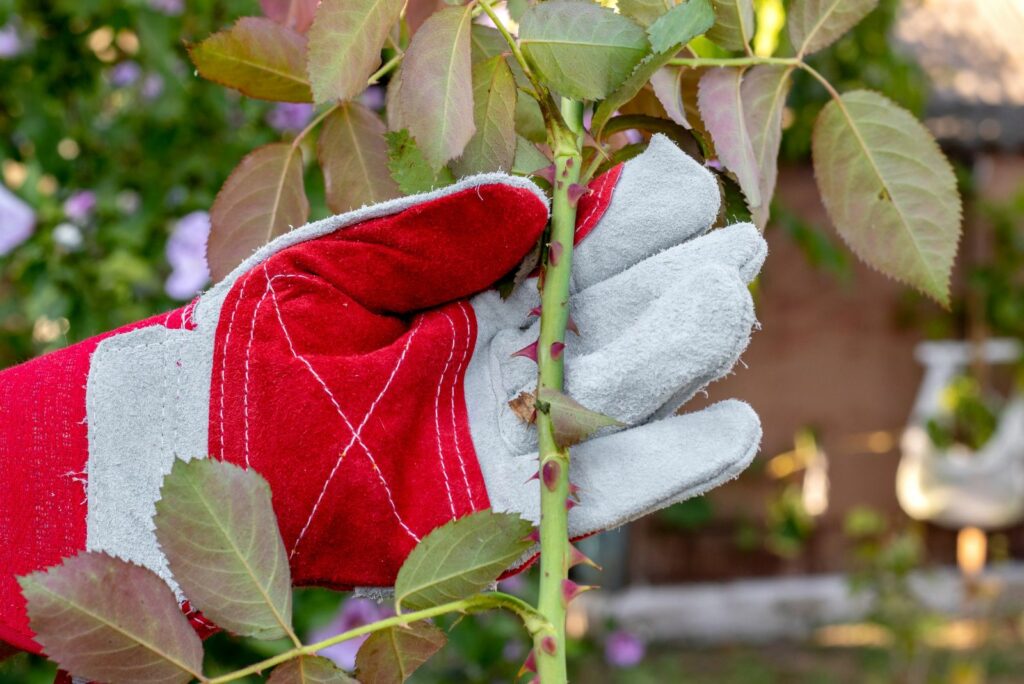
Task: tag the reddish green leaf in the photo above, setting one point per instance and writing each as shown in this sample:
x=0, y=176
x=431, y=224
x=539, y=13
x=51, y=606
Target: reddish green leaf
x=309, y=670
x=572, y=422
x=763, y=93
x=257, y=57
x=438, y=107
x=354, y=157
x=734, y=24
x=645, y=12
x=720, y=100
x=676, y=89
x=217, y=527
x=391, y=655
x=581, y=49
x=460, y=558
x=104, y=619
x=493, y=145
x=295, y=14
x=888, y=189
x=262, y=198
x=815, y=24
x=345, y=43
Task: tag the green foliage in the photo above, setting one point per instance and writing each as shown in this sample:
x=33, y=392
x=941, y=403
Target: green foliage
x=153, y=150
x=460, y=558
x=259, y=58
x=734, y=24
x=345, y=42
x=493, y=145
x=353, y=154
x=262, y=198
x=881, y=172
x=101, y=634
x=215, y=524
x=309, y=670
x=391, y=655
x=680, y=25
x=580, y=49
x=816, y=24
x=968, y=417
x=409, y=168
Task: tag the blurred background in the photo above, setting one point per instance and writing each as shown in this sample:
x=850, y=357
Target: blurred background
x=877, y=538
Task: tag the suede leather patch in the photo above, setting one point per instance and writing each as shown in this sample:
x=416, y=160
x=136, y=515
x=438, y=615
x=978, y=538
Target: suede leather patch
x=43, y=455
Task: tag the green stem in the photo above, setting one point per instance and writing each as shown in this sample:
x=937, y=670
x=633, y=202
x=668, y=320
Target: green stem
x=512, y=44
x=531, y=618
x=388, y=66
x=554, y=528
x=697, y=62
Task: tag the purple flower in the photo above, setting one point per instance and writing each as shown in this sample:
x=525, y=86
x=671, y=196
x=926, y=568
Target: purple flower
x=355, y=612
x=289, y=116
x=171, y=8
x=152, y=86
x=11, y=44
x=80, y=205
x=17, y=221
x=373, y=97
x=512, y=585
x=623, y=649
x=186, y=253
x=125, y=73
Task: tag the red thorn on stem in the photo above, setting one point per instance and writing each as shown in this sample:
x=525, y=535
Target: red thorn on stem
x=575, y=192
x=554, y=252
x=550, y=473
x=571, y=325
x=549, y=645
x=528, y=352
x=529, y=666
x=535, y=311
x=577, y=557
x=534, y=535
x=559, y=185
x=570, y=590
x=569, y=163
x=570, y=504
x=556, y=349
x=547, y=173
x=574, y=490
x=535, y=476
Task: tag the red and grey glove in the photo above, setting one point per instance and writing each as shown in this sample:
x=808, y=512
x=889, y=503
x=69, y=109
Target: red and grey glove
x=350, y=363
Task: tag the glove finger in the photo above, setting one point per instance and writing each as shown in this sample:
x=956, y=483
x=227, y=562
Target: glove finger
x=624, y=476
x=609, y=309
x=690, y=336
x=662, y=199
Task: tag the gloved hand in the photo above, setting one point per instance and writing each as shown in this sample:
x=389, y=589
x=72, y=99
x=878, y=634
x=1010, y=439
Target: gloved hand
x=347, y=363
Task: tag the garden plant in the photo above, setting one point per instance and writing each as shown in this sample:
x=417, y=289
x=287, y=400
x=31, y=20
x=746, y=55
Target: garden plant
x=560, y=92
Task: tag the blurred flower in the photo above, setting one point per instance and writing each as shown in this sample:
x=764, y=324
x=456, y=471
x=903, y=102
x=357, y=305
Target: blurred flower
x=171, y=8
x=125, y=73
x=152, y=86
x=355, y=612
x=128, y=201
x=68, y=236
x=17, y=221
x=373, y=97
x=289, y=116
x=11, y=44
x=623, y=649
x=513, y=651
x=186, y=253
x=513, y=585
x=80, y=205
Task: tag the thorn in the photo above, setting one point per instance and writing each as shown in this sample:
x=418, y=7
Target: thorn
x=551, y=471
x=574, y=490
x=530, y=665
x=535, y=311
x=577, y=557
x=575, y=192
x=556, y=349
x=571, y=325
x=547, y=173
x=559, y=185
x=554, y=253
x=528, y=352
x=570, y=590
x=570, y=504
x=549, y=645
x=534, y=536
x=569, y=163
x=535, y=476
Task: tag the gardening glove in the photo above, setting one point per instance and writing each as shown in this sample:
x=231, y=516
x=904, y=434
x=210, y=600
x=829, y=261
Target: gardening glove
x=350, y=363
